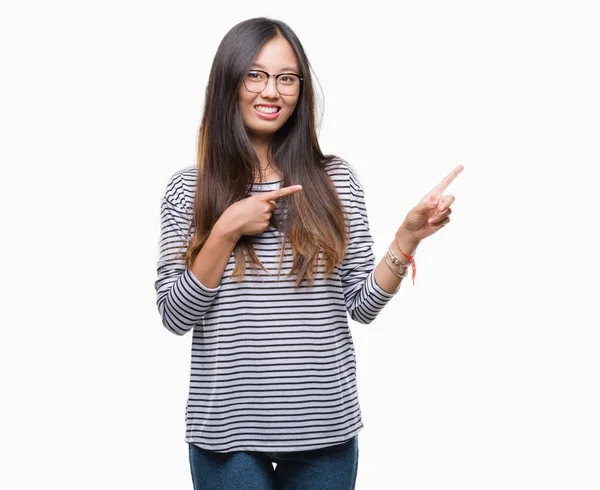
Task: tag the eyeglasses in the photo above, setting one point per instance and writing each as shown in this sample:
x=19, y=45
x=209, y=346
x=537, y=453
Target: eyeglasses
x=286, y=83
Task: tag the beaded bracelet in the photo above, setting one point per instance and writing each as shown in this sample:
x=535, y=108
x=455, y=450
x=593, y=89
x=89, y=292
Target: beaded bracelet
x=402, y=274
x=395, y=259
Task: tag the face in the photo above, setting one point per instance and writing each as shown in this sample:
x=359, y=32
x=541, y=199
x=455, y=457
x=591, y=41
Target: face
x=257, y=108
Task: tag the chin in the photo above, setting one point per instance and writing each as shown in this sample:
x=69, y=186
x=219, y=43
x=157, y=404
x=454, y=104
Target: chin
x=263, y=131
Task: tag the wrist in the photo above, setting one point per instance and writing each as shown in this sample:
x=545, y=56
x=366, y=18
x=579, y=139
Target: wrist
x=407, y=243
x=225, y=232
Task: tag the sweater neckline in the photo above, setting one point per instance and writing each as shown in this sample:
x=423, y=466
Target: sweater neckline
x=270, y=182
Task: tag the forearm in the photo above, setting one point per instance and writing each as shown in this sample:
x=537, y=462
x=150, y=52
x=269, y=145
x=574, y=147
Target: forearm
x=184, y=296
x=368, y=290
x=385, y=278
x=209, y=265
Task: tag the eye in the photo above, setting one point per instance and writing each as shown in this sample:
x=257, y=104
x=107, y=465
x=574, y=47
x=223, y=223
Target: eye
x=288, y=79
x=255, y=75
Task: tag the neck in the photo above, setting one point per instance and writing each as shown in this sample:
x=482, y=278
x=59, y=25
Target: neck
x=262, y=149
x=268, y=169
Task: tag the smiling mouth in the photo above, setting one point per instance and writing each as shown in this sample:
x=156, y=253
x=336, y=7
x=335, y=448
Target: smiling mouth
x=267, y=110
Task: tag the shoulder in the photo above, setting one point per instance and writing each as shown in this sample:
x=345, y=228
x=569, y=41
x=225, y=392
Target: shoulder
x=181, y=187
x=344, y=176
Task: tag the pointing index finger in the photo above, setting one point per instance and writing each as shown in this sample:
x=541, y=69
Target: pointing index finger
x=284, y=191
x=441, y=187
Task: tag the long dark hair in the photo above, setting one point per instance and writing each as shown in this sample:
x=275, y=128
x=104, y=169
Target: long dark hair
x=227, y=162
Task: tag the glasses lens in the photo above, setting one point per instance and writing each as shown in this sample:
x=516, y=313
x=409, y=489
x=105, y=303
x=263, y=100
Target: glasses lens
x=255, y=81
x=288, y=84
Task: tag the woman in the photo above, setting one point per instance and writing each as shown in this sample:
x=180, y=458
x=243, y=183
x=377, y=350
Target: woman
x=265, y=247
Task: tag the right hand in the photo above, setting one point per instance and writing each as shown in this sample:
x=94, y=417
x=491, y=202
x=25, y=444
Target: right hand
x=252, y=215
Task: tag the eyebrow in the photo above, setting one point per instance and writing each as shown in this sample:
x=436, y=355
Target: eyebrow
x=283, y=70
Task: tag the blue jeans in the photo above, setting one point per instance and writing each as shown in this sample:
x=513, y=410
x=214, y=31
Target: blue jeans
x=330, y=468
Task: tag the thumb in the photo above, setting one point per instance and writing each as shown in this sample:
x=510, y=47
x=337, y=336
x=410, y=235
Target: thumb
x=429, y=202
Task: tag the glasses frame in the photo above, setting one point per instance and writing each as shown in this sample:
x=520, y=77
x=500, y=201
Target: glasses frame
x=269, y=75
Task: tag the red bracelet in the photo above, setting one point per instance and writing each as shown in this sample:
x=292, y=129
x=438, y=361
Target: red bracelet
x=412, y=262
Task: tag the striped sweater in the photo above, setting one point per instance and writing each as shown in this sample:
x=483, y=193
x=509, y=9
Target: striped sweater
x=272, y=368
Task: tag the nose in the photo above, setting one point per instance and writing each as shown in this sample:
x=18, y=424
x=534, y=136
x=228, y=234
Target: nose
x=270, y=90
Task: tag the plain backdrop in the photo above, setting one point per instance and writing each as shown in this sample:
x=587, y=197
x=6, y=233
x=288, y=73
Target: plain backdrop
x=484, y=375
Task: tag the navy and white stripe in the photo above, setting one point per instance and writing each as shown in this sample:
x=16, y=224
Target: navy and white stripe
x=273, y=368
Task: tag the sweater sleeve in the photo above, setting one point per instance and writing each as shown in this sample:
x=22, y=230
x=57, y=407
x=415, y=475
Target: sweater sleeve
x=181, y=298
x=364, y=297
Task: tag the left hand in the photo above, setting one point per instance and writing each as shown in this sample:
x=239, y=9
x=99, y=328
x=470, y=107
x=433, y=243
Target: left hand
x=432, y=212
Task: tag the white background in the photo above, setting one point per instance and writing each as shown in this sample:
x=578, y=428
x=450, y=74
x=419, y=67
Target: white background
x=485, y=375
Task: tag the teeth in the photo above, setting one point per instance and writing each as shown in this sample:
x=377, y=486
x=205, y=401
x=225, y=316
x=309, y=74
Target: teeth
x=266, y=110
